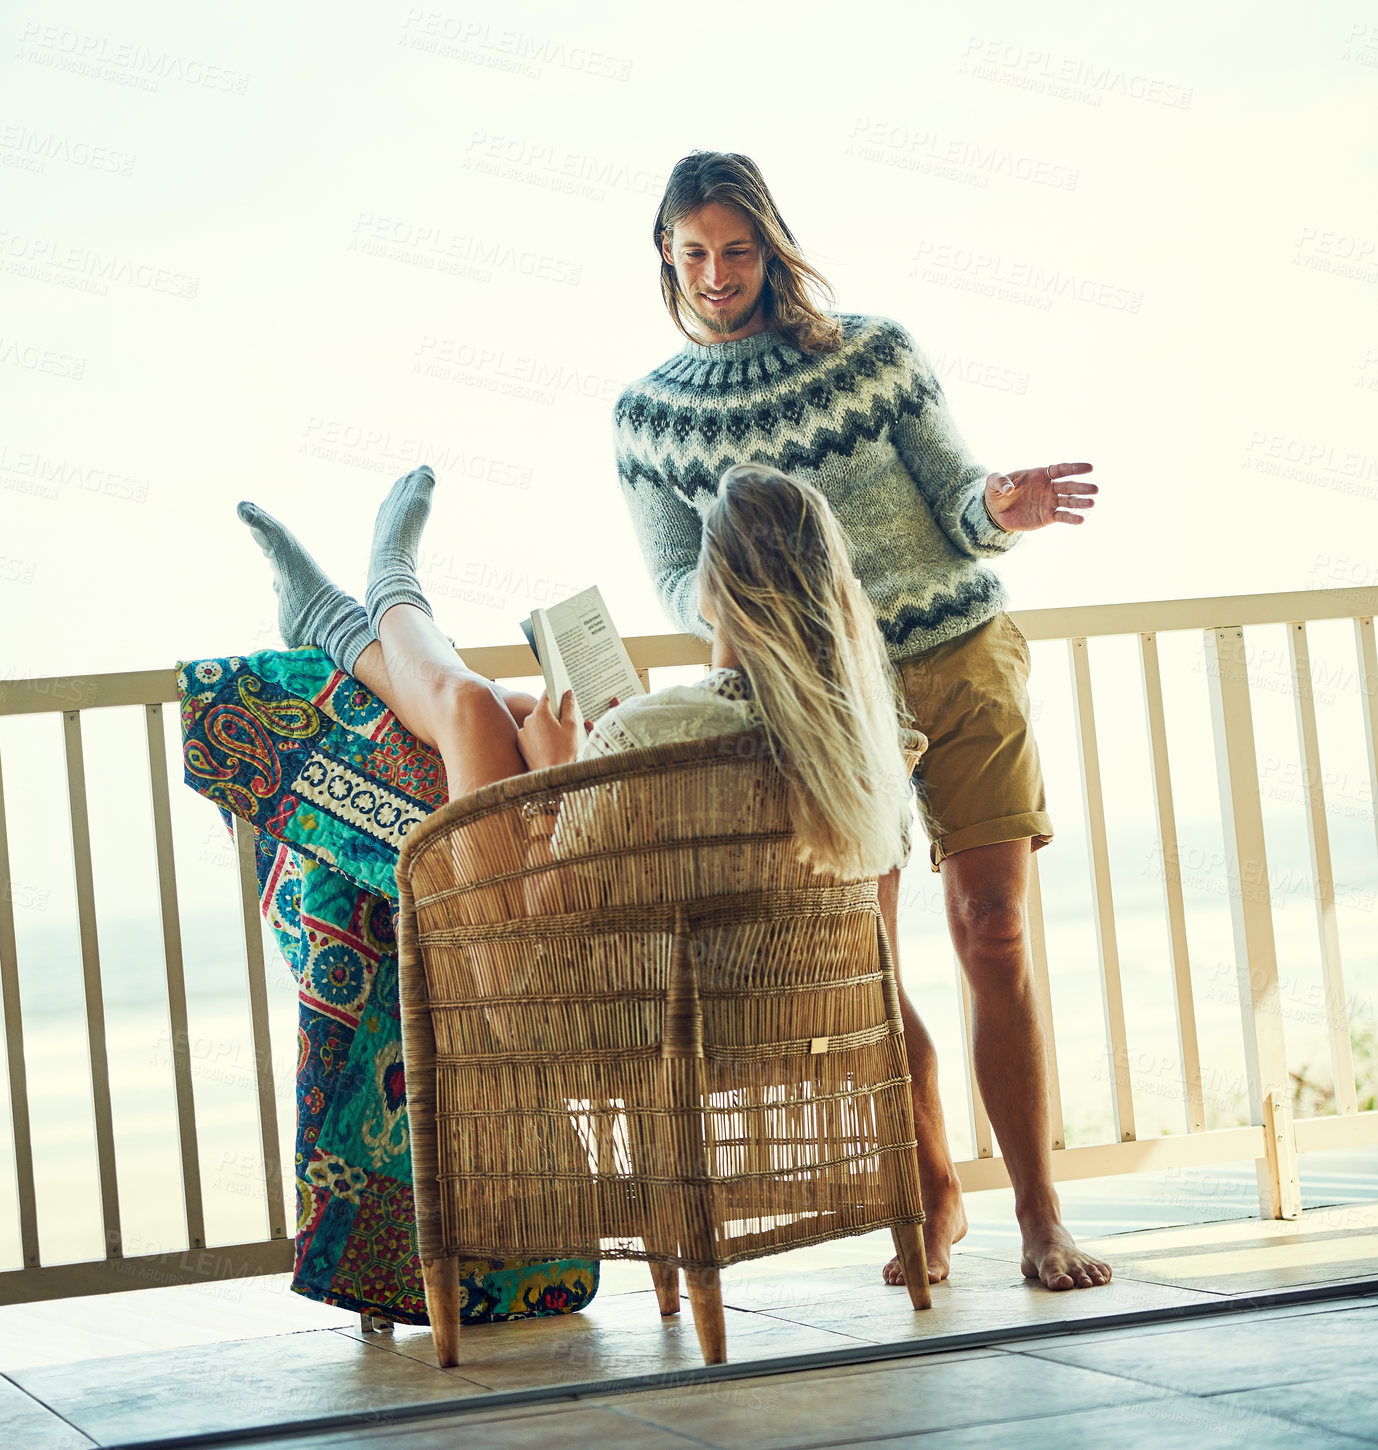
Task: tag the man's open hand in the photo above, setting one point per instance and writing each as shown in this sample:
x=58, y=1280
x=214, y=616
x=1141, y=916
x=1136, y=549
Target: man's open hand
x=1033, y=497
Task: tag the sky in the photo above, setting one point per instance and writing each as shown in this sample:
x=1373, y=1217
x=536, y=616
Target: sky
x=287, y=255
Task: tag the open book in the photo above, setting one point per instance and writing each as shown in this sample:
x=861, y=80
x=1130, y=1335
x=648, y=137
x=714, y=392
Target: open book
x=579, y=649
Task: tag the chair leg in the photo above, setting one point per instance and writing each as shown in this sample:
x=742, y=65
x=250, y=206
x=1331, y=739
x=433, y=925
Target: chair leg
x=705, y=1294
x=908, y=1239
x=441, y=1277
x=650, y=1152
x=666, y=1279
x=683, y=1084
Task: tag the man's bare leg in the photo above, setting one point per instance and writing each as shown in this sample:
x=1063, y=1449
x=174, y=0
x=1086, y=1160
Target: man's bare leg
x=945, y=1219
x=985, y=888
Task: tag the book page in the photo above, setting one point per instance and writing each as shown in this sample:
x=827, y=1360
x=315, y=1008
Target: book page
x=594, y=659
x=556, y=677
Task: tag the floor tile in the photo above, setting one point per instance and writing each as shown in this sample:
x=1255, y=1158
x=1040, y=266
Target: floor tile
x=1253, y=1267
x=537, y=1428
x=31, y=1426
x=1004, y=1300
x=1348, y=1403
x=247, y=1382
x=58, y=1331
x=823, y=1298
x=1215, y=1358
x=620, y=1337
x=1089, y=1334
x=1173, y=1422
x=1247, y=1256
x=880, y=1366
x=824, y=1409
x=760, y=1285
x=1094, y=1208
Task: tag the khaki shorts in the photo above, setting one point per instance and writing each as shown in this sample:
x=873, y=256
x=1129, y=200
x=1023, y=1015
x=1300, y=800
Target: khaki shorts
x=979, y=781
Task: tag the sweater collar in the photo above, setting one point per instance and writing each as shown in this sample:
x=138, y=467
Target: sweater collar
x=734, y=351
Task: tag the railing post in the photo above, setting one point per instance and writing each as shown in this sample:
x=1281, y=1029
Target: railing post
x=1368, y=698
x=1280, y=1148
x=1251, y=912
x=1038, y=956
x=175, y=975
x=1318, y=837
x=981, y=1141
x=1183, y=1001
x=93, y=991
x=258, y=1027
x=12, y=1010
x=1102, y=898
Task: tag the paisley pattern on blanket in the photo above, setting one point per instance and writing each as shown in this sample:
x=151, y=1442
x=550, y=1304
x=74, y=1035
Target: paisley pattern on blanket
x=331, y=783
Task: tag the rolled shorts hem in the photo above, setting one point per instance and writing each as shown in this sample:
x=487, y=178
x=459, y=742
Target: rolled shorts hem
x=1037, y=825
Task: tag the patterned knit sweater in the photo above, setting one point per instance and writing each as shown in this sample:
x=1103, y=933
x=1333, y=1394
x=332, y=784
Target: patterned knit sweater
x=867, y=425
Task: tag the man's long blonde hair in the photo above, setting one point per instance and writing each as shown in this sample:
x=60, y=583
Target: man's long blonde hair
x=777, y=570
x=792, y=284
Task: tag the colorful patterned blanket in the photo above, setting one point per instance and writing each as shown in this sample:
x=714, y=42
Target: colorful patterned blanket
x=331, y=783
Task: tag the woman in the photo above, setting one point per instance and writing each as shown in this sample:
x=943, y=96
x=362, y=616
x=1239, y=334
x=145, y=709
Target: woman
x=796, y=649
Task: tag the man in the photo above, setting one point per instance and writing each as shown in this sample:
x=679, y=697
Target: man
x=850, y=404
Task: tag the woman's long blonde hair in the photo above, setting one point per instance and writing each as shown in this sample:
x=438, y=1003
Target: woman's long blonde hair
x=777, y=570
x=795, y=289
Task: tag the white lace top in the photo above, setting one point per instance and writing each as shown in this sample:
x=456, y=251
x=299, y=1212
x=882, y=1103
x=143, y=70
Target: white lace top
x=715, y=705
x=718, y=704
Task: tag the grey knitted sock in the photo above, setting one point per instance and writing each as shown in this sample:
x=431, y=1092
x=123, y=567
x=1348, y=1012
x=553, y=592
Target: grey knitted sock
x=311, y=609
x=396, y=536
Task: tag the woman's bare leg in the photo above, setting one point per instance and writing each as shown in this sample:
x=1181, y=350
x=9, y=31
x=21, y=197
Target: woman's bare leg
x=469, y=719
x=371, y=669
x=430, y=689
x=407, y=663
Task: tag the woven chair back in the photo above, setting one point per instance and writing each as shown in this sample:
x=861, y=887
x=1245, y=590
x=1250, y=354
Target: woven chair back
x=636, y=1026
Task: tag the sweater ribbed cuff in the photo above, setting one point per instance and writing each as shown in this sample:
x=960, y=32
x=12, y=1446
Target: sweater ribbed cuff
x=990, y=534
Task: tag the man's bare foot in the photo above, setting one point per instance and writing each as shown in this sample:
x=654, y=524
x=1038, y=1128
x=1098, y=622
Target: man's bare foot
x=1051, y=1256
x=945, y=1221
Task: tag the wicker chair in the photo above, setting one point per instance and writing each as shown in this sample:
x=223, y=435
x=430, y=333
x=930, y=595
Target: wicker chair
x=636, y=1027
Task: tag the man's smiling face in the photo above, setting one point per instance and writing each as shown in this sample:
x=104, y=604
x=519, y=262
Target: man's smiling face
x=720, y=264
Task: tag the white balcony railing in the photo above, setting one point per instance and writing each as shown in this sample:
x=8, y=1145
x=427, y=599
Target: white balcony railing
x=1273, y=1138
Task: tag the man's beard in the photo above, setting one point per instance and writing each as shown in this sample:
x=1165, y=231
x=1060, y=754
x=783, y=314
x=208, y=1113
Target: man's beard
x=720, y=322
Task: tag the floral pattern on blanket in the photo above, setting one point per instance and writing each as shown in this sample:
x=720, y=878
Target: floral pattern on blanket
x=331, y=783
